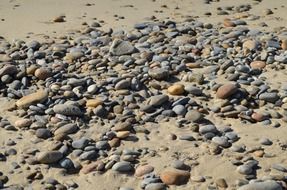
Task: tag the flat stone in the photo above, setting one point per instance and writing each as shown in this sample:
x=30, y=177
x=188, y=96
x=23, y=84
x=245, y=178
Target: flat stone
x=155, y=186
x=143, y=170
x=49, y=157
x=207, y=129
x=194, y=116
x=158, y=100
x=43, y=73
x=122, y=167
x=266, y=185
x=221, y=141
x=67, y=129
x=93, y=103
x=269, y=97
x=258, y=65
x=22, y=123
x=67, y=109
x=120, y=47
x=158, y=73
x=174, y=177
x=34, y=98
x=8, y=70
x=81, y=143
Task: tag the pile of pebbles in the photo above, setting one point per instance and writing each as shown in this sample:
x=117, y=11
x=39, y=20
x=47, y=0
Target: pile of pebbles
x=121, y=80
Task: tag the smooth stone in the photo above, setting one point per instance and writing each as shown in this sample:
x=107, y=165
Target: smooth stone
x=158, y=100
x=176, y=89
x=123, y=84
x=258, y=65
x=67, y=129
x=265, y=141
x=179, y=110
x=174, y=177
x=193, y=90
x=120, y=47
x=22, y=123
x=221, y=141
x=67, y=109
x=81, y=143
x=158, y=73
x=34, y=98
x=49, y=157
x=207, y=129
x=269, y=97
x=122, y=167
x=194, y=116
x=143, y=170
x=43, y=73
x=265, y=185
x=226, y=90
x=8, y=70
x=66, y=163
x=94, y=166
x=43, y=133
x=245, y=169
x=93, y=103
x=155, y=186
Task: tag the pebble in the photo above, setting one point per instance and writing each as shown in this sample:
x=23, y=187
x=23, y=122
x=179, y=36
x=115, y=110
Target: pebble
x=22, y=123
x=120, y=47
x=174, y=177
x=194, y=116
x=122, y=167
x=226, y=91
x=143, y=170
x=270, y=185
x=176, y=89
x=67, y=109
x=49, y=157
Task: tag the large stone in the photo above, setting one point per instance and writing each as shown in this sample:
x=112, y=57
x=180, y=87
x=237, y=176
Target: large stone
x=49, y=157
x=67, y=109
x=43, y=73
x=226, y=90
x=22, y=123
x=39, y=96
x=269, y=97
x=266, y=185
x=120, y=47
x=174, y=177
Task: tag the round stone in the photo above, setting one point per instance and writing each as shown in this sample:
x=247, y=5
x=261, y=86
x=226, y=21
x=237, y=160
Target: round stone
x=43, y=73
x=176, y=89
x=174, y=177
x=257, y=65
x=226, y=91
x=143, y=170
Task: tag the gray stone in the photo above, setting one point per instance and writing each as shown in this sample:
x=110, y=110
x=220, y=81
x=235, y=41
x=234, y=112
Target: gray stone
x=122, y=167
x=120, y=47
x=266, y=185
x=67, y=129
x=81, y=143
x=194, y=116
x=269, y=97
x=221, y=141
x=158, y=73
x=207, y=129
x=49, y=157
x=179, y=110
x=67, y=109
x=43, y=133
x=158, y=100
x=156, y=186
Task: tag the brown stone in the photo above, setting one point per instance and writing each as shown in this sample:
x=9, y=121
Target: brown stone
x=94, y=166
x=42, y=73
x=284, y=44
x=250, y=44
x=123, y=134
x=174, y=177
x=93, y=103
x=21, y=123
x=258, y=153
x=258, y=65
x=228, y=23
x=193, y=65
x=226, y=90
x=221, y=183
x=176, y=89
x=115, y=142
x=59, y=19
x=142, y=170
x=33, y=98
x=8, y=70
x=257, y=116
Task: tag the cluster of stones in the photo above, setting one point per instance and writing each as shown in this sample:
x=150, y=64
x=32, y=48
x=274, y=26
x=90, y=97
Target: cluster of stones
x=120, y=81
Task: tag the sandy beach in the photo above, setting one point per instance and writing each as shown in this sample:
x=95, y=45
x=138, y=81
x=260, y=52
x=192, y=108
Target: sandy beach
x=133, y=94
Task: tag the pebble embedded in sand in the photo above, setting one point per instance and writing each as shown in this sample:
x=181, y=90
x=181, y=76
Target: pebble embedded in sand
x=59, y=19
x=36, y=97
x=174, y=177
